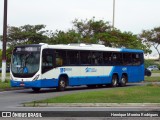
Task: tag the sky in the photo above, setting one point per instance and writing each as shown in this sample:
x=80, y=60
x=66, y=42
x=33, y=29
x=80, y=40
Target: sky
x=130, y=15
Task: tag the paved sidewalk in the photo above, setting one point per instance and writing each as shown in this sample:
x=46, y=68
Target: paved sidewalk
x=91, y=105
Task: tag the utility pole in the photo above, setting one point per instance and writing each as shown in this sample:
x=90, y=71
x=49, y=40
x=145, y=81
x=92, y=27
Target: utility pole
x=113, y=14
x=4, y=42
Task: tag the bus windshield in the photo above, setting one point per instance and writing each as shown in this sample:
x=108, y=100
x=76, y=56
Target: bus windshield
x=25, y=64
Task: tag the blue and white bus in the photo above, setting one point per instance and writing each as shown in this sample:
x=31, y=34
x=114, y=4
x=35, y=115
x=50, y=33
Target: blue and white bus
x=58, y=66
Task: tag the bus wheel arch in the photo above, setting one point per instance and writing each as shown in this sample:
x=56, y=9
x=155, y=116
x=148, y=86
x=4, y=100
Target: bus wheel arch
x=63, y=82
x=115, y=80
x=123, y=80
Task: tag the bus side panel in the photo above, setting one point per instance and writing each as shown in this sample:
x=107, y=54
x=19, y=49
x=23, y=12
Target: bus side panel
x=88, y=75
x=84, y=80
x=91, y=80
x=92, y=75
x=108, y=71
x=119, y=70
x=74, y=80
x=49, y=83
x=136, y=73
x=50, y=78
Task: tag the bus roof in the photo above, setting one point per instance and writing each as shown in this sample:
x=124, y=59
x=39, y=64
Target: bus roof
x=92, y=47
x=83, y=46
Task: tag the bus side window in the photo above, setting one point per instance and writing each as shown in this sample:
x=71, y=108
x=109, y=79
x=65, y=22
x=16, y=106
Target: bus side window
x=61, y=58
x=136, y=59
x=117, y=58
x=59, y=61
x=97, y=58
x=127, y=59
x=114, y=59
x=85, y=57
x=107, y=58
x=73, y=57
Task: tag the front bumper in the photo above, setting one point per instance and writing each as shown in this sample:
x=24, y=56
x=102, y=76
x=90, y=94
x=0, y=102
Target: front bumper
x=37, y=83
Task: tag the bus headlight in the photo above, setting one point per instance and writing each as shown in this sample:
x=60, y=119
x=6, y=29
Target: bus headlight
x=36, y=78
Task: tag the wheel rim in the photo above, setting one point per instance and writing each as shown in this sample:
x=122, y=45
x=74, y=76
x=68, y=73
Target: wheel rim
x=114, y=81
x=62, y=84
x=123, y=80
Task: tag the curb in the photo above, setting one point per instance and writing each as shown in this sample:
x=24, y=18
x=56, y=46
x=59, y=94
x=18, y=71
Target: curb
x=91, y=104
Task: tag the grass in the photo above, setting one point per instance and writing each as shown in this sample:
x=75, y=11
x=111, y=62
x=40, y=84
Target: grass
x=156, y=71
x=137, y=94
x=7, y=74
x=152, y=79
x=4, y=85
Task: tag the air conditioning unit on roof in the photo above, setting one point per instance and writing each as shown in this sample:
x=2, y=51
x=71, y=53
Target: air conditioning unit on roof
x=86, y=45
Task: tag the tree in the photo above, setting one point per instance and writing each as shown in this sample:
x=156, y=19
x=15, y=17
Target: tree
x=27, y=34
x=151, y=38
x=61, y=37
x=92, y=31
x=127, y=40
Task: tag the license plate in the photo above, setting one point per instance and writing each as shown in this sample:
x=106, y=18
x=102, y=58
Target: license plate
x=22, y=84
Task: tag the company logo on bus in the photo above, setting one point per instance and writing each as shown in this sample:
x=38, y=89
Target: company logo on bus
x=124, y=69
x=62, y=70
x=91, y=69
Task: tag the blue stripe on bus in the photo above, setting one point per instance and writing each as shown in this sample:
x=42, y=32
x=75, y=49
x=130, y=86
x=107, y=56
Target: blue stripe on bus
x=135, y=74
x=133, y=50
x=89, y=80
x=46, y=83
x=73, y=81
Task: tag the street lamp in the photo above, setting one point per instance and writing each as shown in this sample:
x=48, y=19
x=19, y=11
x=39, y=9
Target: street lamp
x=113, y=13
x=4, y=42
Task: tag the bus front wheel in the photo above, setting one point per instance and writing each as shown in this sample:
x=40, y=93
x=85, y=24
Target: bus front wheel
x=114, y=81
x=62, y=84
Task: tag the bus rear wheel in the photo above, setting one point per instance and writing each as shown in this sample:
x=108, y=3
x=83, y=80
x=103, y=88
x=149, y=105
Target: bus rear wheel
x=114, y=81
x=62, y=84
x=36, y=89
x=123, y=81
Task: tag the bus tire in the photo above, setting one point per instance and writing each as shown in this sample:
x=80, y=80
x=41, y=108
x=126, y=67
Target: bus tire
x=114, y=81
x=123, y=81
x=62, y=84
x=36, y=89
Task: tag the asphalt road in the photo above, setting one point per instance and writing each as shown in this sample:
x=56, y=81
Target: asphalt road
x=12, y=100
